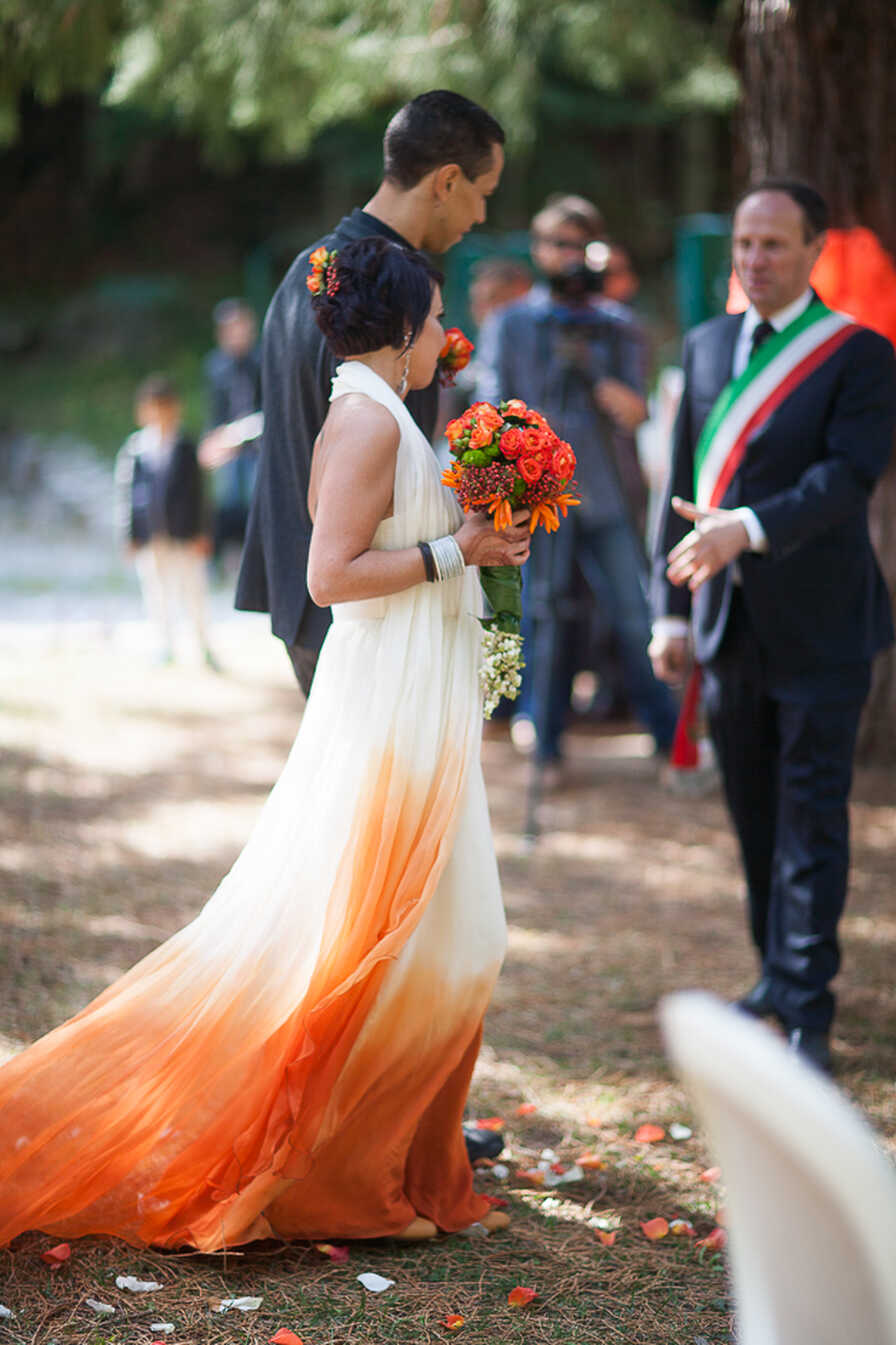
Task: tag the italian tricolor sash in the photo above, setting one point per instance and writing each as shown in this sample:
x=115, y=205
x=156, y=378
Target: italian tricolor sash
x=745, y=404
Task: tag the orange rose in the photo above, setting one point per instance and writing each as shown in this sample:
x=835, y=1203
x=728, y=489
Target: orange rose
x=530, y=469
x=516, y=408
x=512, y=443
x=563, y=462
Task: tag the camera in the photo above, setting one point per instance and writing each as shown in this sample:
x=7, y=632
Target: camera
x=585, y=278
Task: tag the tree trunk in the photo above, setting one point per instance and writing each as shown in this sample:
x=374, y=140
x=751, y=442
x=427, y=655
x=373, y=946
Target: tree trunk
x=877, y=734
x=817, y=104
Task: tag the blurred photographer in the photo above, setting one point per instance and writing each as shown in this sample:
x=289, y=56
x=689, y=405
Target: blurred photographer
x=582, y=366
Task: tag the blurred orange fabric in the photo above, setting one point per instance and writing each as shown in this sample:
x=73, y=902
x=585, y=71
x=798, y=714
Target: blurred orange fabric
x=854, y=274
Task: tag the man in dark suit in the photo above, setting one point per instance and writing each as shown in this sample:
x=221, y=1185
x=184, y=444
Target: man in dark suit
x=443, y=158
x=785, y=424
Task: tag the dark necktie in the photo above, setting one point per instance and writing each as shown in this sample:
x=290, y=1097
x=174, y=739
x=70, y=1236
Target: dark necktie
x=761, y=332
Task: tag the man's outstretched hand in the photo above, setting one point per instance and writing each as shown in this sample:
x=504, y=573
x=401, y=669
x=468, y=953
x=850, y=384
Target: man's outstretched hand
x=717, y=538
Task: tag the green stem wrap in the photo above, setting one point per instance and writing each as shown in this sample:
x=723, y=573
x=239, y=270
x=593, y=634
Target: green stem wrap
x=503, y=589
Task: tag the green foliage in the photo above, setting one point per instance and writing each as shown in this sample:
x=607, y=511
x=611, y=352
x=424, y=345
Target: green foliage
x=285, y=71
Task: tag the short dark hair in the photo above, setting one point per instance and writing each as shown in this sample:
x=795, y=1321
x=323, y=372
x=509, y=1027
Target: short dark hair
x=807, y=197
x=158, y=388
x=436, y=128
x=382, y=296
x=563, y=208
x=228, y=309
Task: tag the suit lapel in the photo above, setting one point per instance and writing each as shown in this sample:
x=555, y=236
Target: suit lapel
x=724, y=349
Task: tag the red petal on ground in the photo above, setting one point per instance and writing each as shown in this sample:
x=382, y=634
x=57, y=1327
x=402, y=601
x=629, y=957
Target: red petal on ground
x=453, y=1321
x=711, y=1175
x=649, y=1134
x=285, y=1337
x=491, y=1123
x=590, y=1162
x=606, y=1239
x=498, y=1202
x=337, y=1254
x=521, y=1296
x=526, y=1109
x=715, y=1242
x=56, y=1256
x=655, y=1229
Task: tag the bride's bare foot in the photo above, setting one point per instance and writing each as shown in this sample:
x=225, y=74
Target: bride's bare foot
x=418, y=1230
x=495, y=1220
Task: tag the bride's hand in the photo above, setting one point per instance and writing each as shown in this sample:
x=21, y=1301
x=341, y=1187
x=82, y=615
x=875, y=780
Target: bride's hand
x=482, y=544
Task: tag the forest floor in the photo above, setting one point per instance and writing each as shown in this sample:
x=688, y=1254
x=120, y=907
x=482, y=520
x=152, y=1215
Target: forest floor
x=126, y=792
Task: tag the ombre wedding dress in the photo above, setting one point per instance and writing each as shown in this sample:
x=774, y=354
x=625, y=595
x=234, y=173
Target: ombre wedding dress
x=295, y=1062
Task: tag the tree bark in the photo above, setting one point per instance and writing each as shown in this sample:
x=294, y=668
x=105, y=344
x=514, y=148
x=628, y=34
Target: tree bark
x=817, y=104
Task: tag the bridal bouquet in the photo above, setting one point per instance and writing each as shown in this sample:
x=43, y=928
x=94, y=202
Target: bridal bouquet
x=454, y=356
x=507, y=457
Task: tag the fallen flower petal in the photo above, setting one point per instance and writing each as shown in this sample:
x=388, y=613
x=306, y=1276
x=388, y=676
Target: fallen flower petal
x=594, y=1121
x=453, y=1321
x=103, y=1309
x=500, y=1171
x=241, y=1304
x=606, y=1239
x=491, y=1123
x=526, y=1109
x=166, y=1328
x=285, y=1337
x=715, y=1242
x=682, y=1228
x=137, y=1286
x=679, y=1132
x=521, y=1296
x=534, y=1175
x=710, y=1175
x=498, y=1202
x=649, y=1134
x=591, y=1162
x=6, y=1312
x=337, y=1254
x=654, y=1229
x=56, y=1256
x=377, y=1284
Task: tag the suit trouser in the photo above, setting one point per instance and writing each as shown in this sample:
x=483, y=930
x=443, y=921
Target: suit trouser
x=786, y=761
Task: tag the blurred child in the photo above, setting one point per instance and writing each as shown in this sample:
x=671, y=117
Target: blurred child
x=160, y=515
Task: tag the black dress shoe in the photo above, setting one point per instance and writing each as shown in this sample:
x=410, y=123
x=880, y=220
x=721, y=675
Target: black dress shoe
x=758, y=1002
x=813, y=1046
x=482, y=1143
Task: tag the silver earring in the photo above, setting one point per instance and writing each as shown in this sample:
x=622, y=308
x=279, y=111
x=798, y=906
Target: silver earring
x=403, y=385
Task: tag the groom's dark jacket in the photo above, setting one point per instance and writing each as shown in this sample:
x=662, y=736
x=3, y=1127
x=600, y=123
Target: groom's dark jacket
x=816, y=599
x=296, y=371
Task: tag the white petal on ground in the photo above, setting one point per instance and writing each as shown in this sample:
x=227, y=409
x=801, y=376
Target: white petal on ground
x=501, y=1171
x=241, y=1304
x=679, y=1132
x=104, y=1309
x=137, y=1286
x=166, y=1328
x=476, y=1230
x=6, y=1312
x=375, y=1283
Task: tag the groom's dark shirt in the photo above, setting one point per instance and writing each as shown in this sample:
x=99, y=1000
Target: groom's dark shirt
x=297, y=368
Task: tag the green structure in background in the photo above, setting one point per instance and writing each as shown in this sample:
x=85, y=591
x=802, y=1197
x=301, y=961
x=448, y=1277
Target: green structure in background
x=702, y=267
x=458, y=266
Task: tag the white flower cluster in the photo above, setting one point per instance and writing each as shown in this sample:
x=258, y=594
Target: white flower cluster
x=501, y=670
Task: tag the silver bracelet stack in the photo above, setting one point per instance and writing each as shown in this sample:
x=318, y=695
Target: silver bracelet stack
x=447, y=558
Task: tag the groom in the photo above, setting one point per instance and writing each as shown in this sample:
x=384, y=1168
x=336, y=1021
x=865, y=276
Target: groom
x=443, y=159
x=785, y=424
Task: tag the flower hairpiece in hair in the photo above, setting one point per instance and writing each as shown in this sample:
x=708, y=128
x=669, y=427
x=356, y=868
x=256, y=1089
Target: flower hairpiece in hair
x=322, y=276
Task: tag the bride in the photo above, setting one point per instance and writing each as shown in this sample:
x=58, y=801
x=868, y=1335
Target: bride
x=295, y=1062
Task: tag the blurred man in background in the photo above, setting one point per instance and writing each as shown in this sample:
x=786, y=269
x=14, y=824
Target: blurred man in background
x=233, y=393
x=582, y=367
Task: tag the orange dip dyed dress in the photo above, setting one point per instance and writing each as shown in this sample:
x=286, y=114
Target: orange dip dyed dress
x=295, y=1062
